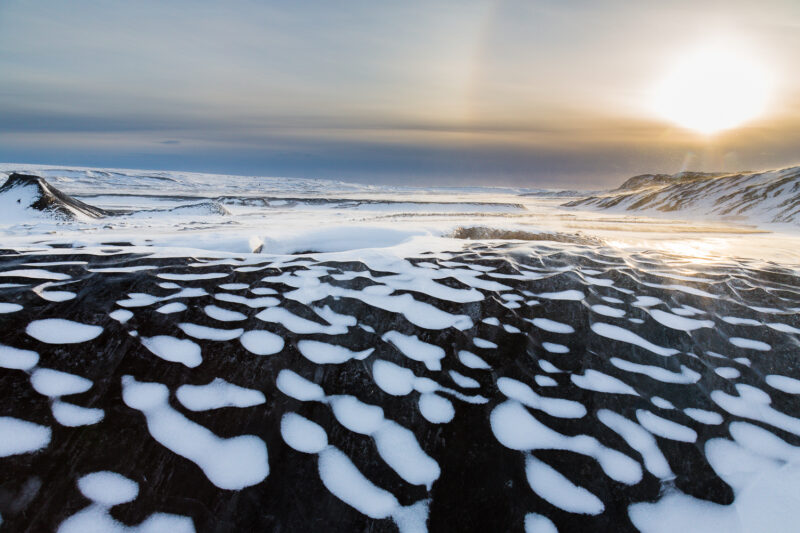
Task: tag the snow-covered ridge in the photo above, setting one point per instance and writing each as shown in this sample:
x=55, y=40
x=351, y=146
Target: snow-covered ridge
x=767, y=196
x=22, y=195
x=82, y=181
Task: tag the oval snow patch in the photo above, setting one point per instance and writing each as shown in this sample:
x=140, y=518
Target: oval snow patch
x=61, y=331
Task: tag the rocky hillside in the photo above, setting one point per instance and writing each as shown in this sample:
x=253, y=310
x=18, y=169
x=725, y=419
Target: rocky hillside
x=22, y=193
x=766, y=196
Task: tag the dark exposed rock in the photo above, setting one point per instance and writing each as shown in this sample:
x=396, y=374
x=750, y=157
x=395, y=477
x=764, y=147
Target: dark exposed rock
x=485, y=232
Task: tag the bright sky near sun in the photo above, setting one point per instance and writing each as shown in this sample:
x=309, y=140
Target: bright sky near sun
x=523, y=92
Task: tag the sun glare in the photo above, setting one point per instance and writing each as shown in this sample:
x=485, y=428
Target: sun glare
x=714, y=89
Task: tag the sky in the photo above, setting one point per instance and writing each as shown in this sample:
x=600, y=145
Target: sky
x=503, y=92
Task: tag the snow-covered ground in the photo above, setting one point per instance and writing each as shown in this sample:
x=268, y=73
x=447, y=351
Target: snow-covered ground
x=237, y=214
x=189, y=352
x=770, y=197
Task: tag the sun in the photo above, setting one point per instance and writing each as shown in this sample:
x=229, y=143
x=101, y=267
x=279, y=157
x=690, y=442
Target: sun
x=715, y=88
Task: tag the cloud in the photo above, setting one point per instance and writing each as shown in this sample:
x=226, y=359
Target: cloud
x=515, y=92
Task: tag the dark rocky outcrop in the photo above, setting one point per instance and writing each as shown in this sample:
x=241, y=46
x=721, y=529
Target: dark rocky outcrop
x=47, y=198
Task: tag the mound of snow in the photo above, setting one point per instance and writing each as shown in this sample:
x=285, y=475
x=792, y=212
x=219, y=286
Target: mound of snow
x=335, y=239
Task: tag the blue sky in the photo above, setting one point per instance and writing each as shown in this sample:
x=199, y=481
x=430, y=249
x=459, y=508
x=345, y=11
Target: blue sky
x=507, y=92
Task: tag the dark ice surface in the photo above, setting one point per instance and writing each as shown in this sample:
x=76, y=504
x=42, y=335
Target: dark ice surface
x=482, y=485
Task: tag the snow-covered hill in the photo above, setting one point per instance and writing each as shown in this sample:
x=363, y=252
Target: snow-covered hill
x=767, y=196
x=25, y=196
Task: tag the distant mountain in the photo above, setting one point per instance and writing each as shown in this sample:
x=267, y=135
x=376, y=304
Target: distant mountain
x=22, y=193
x=765, y=196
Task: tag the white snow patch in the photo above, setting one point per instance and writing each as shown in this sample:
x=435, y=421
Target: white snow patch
x=435, y=409
x=71, y=415
x=232, y=464
x=559, y=491
x=413, y=348
x=557, y=407
x=21, y=436
x=61, y=331
x=174, y=307
x=470, y=360
x=324, y=353
x=606, y=310
x=17, y=359
x=750, y=343
x=555, y=348
x=727, y=372
x=174, y=350
x=297, y=324
x=356, y=415
x=623, y=335
x=393, y=379
x=703, y=416
x=53, y=383
x=223, y=315
x=661, y=403
x=551, y=325
x=679, y=322
x=569, y=295
x=483, y=343
x=121, y=315
x=213, y=334
x=463, y=381
x=298, y=387
x=9, y=308
x=35, y=273
x=776, y=381
x=191, y=277
x=302, y=434
x=754, y=403
x=261, y=342
x=545, y=381
x=346, y=482
x=217, y=394
x=665, y=428
x=597, y=381
x=537, y=523
x=640, y=440
x=783, y=328
x=253, y=303
x=108, y=488
x=736, y=321
x=685, y=376
x=234, y=286
x=515, y=428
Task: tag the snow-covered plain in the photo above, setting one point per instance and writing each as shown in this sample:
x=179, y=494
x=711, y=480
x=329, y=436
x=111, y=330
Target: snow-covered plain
x=181, y=211
x=234, y=353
